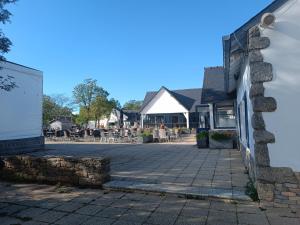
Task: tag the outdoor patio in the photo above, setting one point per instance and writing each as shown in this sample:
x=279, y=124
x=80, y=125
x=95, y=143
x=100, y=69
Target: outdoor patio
x=179, y=168
x=32, y=204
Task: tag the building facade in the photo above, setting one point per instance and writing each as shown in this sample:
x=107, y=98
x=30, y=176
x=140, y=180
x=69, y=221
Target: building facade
x=21, y=109
x=262, y=70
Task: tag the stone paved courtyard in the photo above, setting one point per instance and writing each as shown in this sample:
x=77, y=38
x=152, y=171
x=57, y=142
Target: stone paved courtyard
x=32, y=204
x=174, y=165
x=171, y=164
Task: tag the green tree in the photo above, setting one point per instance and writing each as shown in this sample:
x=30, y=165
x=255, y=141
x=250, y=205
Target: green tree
x=52, y=109
x=5, y=15
x=100, y=108
x=133, y=105
x=85, y=93
x=7, y=82
x=82, y=118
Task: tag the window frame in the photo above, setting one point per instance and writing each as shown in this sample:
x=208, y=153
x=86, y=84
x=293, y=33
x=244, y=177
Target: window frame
x=216, y=106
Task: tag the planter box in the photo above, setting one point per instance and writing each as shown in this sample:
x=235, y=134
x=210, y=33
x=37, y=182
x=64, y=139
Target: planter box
x=146, y=139
x=202, y=143
x=226, y=144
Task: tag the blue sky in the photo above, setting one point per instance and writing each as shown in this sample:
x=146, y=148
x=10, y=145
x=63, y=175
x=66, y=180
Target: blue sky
x=129, y=46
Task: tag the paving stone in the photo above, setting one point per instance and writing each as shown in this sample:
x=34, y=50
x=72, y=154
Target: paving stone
x=50, y=216
x=133, y=215
x=218, y=205
x=74, y=219
x=90, y=210
x=182, y=220
x=111, y=212
x=98, y=220
x=102, y=201
x=194, y=212
x=221, y=217
x=11, y=209
x=69, y=207
x=31, y=213
x=48, y=204
x=278, y=220
x=34, y=223
x=253, y=219
x=10, y=221
x=162, y=218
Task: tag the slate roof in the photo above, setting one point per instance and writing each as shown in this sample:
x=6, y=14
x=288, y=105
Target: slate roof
x=189, y=98
x=213, y=85
x=133, y=115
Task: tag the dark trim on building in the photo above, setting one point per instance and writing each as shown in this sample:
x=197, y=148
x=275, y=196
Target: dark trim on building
x=20, y=146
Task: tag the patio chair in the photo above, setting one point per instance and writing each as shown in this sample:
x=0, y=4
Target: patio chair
x=163, y=135
x=155, y=135
x=111, y=138
x=172, y=135
x=97, y=135
x=103, y=137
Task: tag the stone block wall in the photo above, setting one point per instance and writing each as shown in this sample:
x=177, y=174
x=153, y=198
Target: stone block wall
x=276, y=186
x=86, y=172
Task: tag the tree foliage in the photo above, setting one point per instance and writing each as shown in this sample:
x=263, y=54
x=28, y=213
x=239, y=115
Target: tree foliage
x=52, y=108
x=86, y=92
x=6, y=82
x=93, y=102
x=5, y=15
x=133, y=105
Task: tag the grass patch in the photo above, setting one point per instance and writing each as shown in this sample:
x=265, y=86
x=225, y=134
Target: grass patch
x=251, y=191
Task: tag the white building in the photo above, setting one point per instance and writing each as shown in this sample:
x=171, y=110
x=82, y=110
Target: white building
x=172, y=108
x=21, y=108
x=61, y=123
x=262, y=69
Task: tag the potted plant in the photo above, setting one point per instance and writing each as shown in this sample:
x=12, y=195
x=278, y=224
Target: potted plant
x=145, y=137
x=221, y=139
x=202, y=139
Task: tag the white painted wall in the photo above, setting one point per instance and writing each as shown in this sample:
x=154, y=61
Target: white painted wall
x=284, y=54
x=243, y=89
x=21, y=108
x=56, y=125
x=164, y=102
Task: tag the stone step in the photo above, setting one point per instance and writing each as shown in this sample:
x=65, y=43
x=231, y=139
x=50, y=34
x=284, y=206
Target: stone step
x=179, y=190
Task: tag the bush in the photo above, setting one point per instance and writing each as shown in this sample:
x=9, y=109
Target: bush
x=146, y=133
x=221, y=136
x=251, y=191
x=202, y=135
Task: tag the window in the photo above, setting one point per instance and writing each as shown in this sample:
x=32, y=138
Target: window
x=203, y=116
x=243, y=121
x=224, y=115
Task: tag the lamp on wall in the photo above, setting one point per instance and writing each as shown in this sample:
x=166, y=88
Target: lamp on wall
x=267, y=19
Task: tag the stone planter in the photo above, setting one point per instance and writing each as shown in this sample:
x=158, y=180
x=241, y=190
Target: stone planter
x=223, y=139
x=145, y=139
x=226, y=144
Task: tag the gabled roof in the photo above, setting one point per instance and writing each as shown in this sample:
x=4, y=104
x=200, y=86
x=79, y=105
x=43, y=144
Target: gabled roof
x=188, y=98
x=213, y=85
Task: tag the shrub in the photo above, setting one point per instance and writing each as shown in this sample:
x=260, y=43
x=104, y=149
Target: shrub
x=221, y=136
x=146, y=133
x=202, y=135
x=251, y=191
